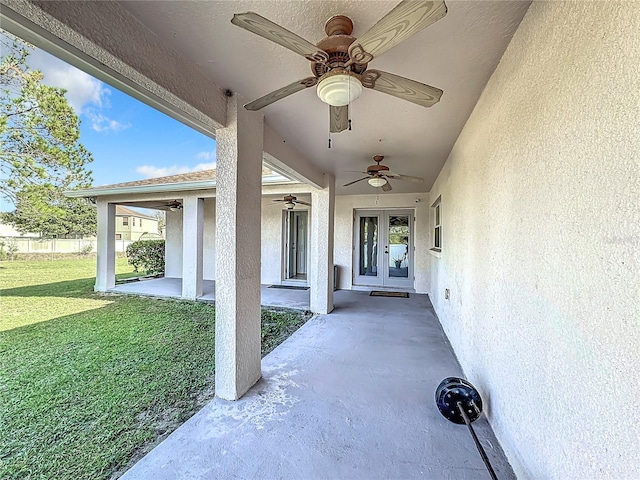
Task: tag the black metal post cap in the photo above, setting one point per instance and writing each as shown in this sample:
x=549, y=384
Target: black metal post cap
x=453, y=390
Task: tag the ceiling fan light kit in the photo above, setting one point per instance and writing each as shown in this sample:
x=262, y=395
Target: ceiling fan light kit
x=377, y=182
x=339, y=87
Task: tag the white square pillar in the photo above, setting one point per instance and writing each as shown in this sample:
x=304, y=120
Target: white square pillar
x=321, y=268
x=192, y=225
x=106, y=247
x=238, y=210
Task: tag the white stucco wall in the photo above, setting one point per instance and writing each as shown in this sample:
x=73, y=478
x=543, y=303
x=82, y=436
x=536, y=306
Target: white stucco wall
x=271, y=245
x=344, y=230
x=209, y=239
x=541, y=243
x=173, y=244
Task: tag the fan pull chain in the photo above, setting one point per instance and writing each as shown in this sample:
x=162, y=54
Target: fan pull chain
x=350, y=106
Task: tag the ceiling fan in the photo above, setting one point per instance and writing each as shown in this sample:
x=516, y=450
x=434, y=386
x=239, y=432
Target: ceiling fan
x=174, y=206
x=340, y=62
x=290, y=202
x=379, y=175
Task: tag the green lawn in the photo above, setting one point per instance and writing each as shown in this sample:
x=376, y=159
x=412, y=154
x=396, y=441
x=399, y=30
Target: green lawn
x=88, y=381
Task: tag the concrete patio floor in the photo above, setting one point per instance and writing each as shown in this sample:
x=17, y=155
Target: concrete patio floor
x=172, y=287
x=349, y=396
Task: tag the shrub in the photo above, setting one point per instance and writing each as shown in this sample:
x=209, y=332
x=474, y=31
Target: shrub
x=86, y=248
x=12, y=250
x=147, y=255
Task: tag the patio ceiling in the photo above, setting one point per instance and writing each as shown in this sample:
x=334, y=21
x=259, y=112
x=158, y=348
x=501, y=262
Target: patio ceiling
x=457, y=54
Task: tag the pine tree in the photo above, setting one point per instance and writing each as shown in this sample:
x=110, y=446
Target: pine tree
x=40, y=151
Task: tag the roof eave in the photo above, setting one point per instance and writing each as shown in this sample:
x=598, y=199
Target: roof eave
x=169, y=187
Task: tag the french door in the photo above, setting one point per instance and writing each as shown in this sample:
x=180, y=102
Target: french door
x=383, y=249
x=296, y=244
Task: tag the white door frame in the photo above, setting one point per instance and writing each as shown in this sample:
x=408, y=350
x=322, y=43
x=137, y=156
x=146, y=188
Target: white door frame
x=382, y=275
x=286, y=248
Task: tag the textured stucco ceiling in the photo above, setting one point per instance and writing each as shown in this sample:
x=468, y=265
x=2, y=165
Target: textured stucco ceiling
x=457, y=54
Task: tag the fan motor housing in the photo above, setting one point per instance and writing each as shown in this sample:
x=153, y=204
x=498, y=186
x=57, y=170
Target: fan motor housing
x=336, y=44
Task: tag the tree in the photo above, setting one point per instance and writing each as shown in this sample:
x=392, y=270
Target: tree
x=162, y=220
x=40, y=152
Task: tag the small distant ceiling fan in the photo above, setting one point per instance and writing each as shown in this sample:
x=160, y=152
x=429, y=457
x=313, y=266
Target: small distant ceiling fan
x=340, y=62
x=379, y=175
x=290, y=202
x=173, y=205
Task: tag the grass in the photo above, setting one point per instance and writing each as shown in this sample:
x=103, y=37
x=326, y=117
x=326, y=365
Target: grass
x=88, y=382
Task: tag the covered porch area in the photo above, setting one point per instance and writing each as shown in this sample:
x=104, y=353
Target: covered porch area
x=171, y=287
x=350, y=395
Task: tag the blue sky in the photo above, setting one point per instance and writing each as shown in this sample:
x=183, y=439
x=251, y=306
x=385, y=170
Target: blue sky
x=127, y=139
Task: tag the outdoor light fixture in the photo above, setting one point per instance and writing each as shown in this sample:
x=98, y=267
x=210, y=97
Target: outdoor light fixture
x=377, y=181
x=339, y=87
x=290, y=205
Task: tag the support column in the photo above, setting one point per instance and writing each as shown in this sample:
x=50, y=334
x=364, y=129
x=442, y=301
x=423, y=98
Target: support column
x=106, y=247
x=192, y=222
x=321, y=268
x=238, y=216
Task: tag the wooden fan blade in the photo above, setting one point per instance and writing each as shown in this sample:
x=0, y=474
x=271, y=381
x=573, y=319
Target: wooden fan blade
x=338, y=118
x=355, y=181
x=302, y=202
x=406, y=19
x=272, y=31
x=281, y=93
x=408, y=178
x=279, y=200
x=386, y=187
x=404, y=88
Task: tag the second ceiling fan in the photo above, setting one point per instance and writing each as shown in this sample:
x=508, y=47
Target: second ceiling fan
x=340, y=62
x=379, y=175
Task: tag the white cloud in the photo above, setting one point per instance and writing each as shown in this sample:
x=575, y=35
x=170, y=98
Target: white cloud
x=206, y=155
x=102, y=123
x=82, y=89
x=149, y=171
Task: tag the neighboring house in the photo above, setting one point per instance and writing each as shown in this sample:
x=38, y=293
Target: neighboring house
x=131, y=225
x=527, y=228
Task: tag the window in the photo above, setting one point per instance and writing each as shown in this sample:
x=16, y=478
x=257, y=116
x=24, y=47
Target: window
x=125, y=221
x=140, y=222
x=118, y=236
x=437, y=227
x=133, y=221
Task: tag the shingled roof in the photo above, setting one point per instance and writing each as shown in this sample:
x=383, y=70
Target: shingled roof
x=200, y=176
x=181, y=178
x=122, y=211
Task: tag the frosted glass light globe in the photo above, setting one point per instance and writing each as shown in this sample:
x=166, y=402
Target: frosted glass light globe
x=339, y=89
x=377, y=181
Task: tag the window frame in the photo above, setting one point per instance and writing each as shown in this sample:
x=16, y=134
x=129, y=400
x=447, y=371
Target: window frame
x=125, y=221
x=437, y=226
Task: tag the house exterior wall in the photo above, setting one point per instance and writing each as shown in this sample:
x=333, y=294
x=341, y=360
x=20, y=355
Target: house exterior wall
x=541, y=243
x=134, y=232
x=271, y=246
x=344, y=232
x=173, y=243
x=209, y=239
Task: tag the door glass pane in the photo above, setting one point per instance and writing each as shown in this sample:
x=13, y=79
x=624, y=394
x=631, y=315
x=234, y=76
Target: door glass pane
x=399, y=246
x=369, y=246
x=301, y=244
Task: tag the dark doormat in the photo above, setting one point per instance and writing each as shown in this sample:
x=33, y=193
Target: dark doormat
x=378, y=293
x=289, y=287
